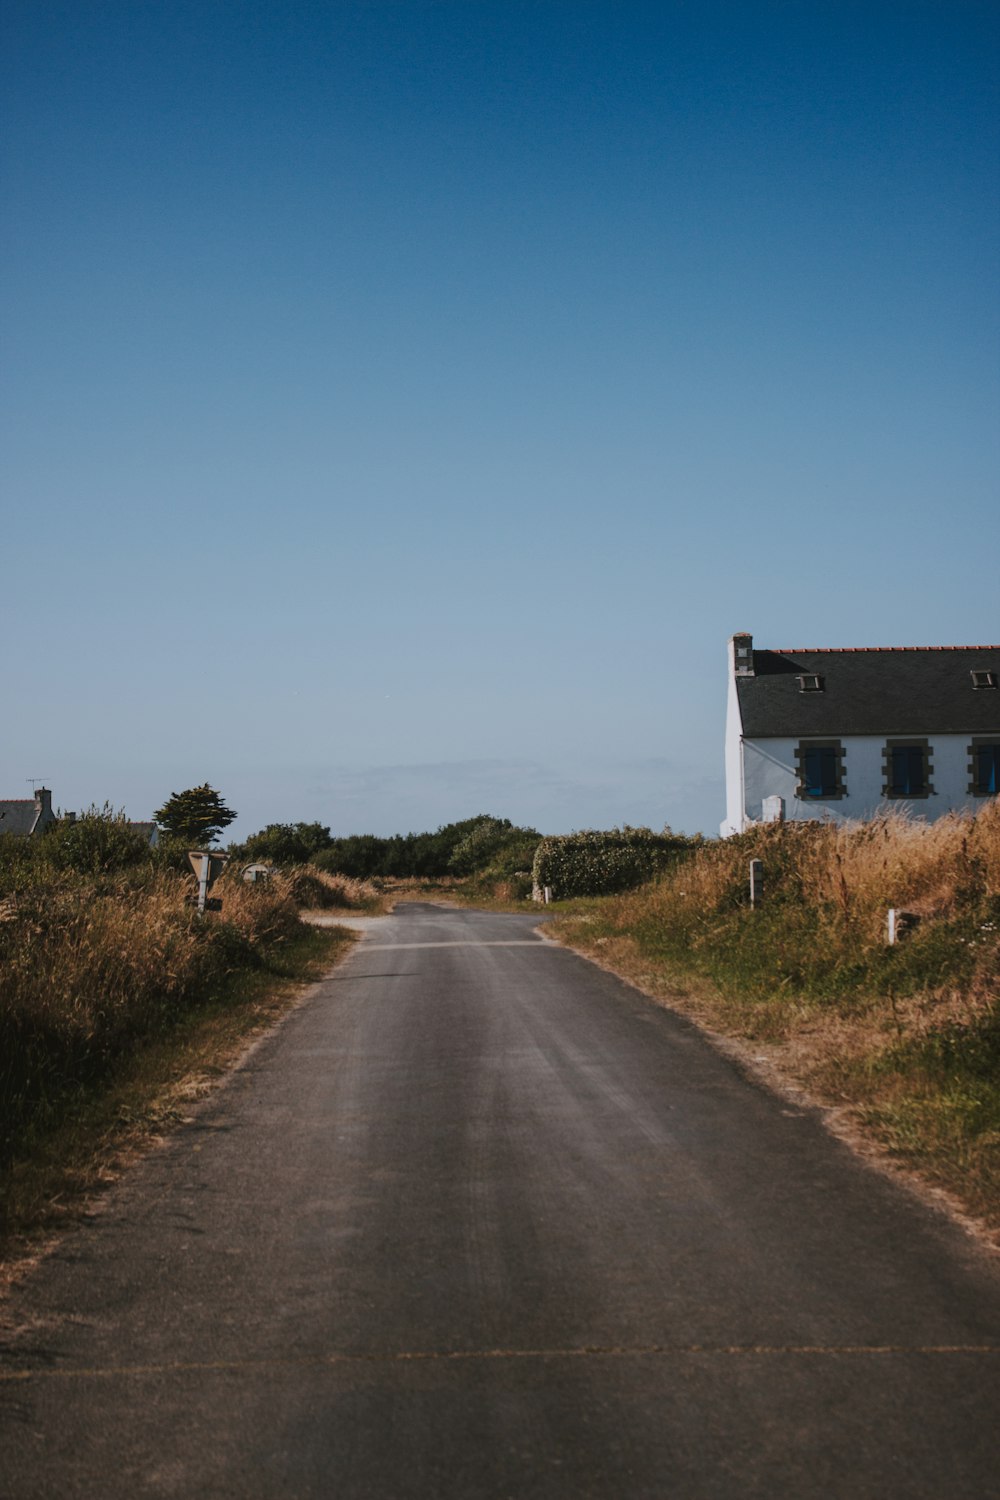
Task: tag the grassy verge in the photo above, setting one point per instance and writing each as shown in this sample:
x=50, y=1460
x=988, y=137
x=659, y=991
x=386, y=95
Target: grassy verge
x=150, y=1090
x=904, y=1040
x=119, y=1008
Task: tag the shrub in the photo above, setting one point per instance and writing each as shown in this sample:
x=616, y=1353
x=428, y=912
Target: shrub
x=98, y=842
x=19, y=862
x=496, y=847
x=417, y=856
x=284, y=844
x=594, y=863
x=359, y=856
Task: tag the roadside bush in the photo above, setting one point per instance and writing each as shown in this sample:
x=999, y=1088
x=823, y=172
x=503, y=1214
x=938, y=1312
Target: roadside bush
x=283, y=844
x=494, y=846
x=410, y=856
x=19, y=863
x=594, y=863
x=98, y=842
x=360, y=857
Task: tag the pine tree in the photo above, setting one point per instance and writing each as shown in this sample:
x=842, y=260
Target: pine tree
x=194, y=817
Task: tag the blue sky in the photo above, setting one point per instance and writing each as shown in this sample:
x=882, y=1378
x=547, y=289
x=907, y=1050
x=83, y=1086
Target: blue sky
x=404, y=403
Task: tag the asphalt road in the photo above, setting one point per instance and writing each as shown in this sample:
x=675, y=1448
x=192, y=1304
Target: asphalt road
x=480, y=1221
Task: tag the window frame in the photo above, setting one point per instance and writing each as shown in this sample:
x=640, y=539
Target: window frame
x=910, y=742
x=840, y=755
x=977, y=743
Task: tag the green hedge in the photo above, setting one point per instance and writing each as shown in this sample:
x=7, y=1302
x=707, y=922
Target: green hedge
x=596, y=863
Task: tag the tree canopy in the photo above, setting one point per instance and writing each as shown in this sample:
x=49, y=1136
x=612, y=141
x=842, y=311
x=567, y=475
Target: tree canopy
x=286, y=843
x=478, y=842
x=196, y=816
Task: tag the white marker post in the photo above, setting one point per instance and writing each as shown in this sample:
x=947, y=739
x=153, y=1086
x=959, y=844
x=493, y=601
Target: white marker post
x=756, y=882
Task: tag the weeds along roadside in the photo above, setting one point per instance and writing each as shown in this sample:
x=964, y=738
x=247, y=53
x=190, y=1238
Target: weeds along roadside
x=908, y=1036
x=108, y=982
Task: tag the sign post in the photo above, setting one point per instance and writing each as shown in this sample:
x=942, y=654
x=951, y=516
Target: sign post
x=207, y=865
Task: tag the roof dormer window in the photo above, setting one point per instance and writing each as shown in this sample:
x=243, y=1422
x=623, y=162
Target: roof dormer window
x=809, y=682
x=984, y=679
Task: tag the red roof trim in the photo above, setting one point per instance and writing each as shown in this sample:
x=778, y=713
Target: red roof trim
x=856, y=650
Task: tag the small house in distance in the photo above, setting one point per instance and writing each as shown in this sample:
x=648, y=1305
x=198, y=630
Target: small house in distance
x=28, y=817
x=827, y=733
x=147, y=831
x=25, y=817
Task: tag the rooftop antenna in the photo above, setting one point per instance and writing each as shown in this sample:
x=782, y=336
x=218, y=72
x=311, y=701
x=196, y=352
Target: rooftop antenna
x=36, y=781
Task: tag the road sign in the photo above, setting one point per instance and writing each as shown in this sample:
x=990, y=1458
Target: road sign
x=208, y=865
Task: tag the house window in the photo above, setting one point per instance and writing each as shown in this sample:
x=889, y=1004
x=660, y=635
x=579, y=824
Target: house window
x=809, y=682
x=906, y=769
x=984, y=768
x=821, y=770
x=984, y=679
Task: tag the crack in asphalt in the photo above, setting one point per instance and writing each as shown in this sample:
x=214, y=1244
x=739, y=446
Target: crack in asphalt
x=427, y=1356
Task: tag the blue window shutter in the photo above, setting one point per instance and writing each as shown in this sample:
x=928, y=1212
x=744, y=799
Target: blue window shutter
x=908, y=771
x=988, y=768
x=819, y=764
x=813, y=773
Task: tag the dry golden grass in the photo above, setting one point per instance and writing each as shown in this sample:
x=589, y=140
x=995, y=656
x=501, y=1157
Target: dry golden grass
x=113, y=991
x=321, y=890
x=150, y=1090
x=92, y=968
x=928, y=868
x=907, y=1038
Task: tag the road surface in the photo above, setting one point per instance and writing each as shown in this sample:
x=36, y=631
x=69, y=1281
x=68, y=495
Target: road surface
x=480, y=1221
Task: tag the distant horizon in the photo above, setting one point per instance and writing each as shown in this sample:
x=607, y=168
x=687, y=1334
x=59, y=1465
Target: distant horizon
x=507, y=778
x=440, y=776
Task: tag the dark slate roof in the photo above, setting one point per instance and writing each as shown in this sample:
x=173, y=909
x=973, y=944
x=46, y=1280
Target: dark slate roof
x=18, y=816
x=896, y=690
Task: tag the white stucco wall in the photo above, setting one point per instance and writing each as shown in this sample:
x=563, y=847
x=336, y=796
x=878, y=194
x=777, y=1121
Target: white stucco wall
x=769, y=769
x=734, y=758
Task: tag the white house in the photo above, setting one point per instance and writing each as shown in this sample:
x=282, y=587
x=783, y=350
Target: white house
x=845, y=734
